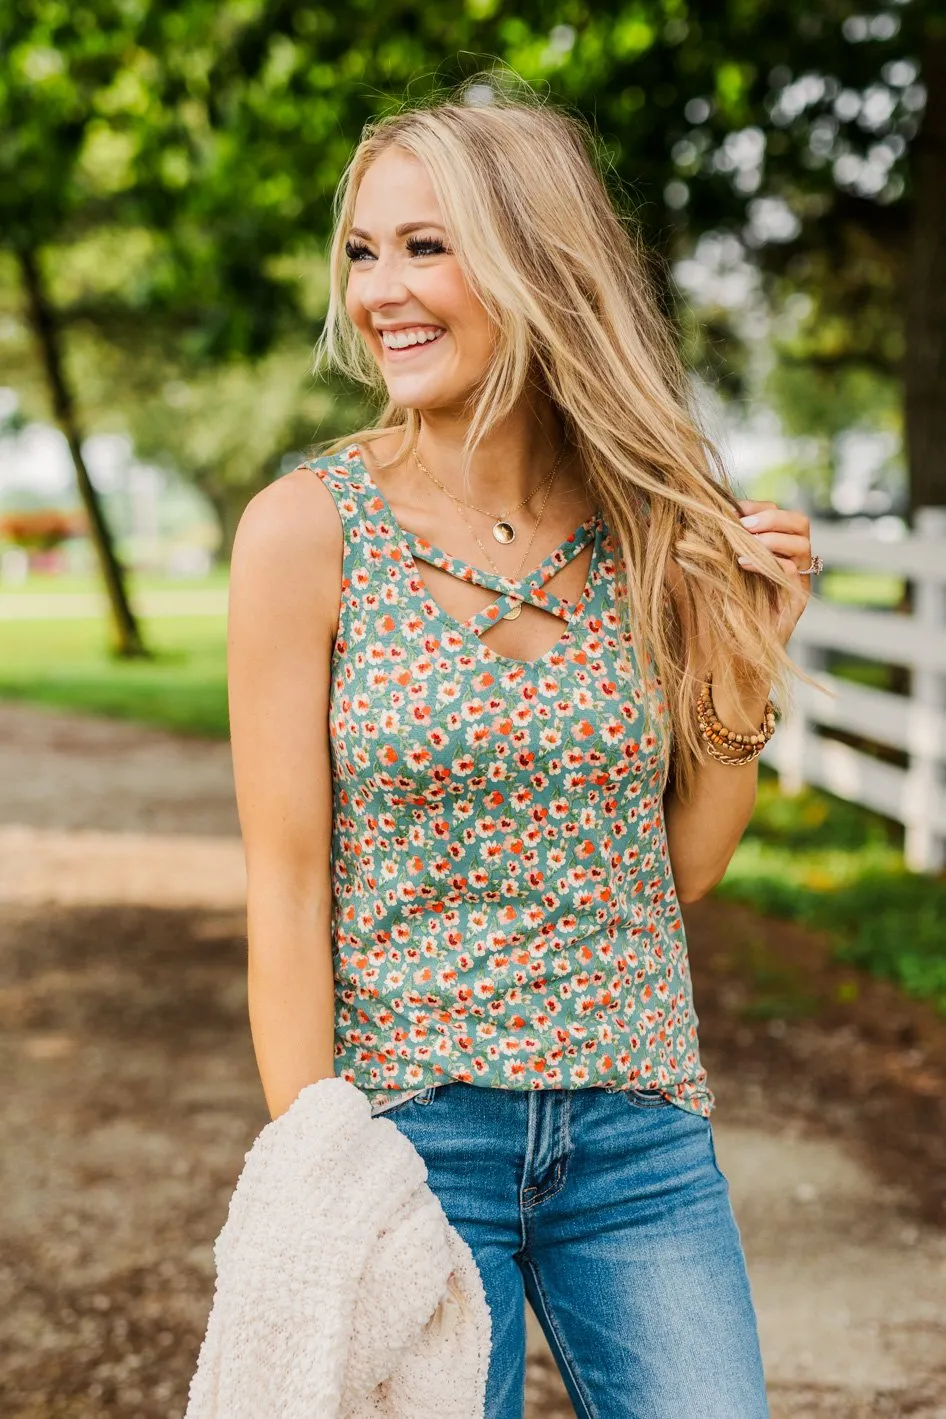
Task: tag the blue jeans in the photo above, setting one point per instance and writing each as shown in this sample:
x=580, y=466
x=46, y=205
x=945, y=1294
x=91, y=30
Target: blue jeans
x=608, y=1210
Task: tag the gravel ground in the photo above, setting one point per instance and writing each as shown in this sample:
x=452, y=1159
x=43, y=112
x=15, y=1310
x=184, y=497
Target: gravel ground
x=135, y=1097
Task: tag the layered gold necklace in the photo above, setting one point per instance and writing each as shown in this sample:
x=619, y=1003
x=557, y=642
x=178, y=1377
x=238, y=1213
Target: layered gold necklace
x=503, y=530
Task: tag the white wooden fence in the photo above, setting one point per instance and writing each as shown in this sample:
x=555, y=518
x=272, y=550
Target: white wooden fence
x=916, y=795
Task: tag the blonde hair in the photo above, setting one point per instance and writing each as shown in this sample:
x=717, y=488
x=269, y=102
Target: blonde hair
x=561, y=276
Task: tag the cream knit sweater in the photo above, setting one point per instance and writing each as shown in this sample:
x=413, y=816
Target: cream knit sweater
x=342, y=1290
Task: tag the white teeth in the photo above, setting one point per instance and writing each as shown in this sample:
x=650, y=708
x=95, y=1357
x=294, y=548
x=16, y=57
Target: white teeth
x=401, y=339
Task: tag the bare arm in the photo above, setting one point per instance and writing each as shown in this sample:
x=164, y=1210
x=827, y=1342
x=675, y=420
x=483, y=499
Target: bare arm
x=285, y=583
x=704, y=832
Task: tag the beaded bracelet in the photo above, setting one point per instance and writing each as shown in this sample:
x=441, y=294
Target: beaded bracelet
x=726, y=745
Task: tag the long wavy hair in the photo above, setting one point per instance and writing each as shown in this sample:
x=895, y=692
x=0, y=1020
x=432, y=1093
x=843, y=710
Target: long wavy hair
x=561, y=275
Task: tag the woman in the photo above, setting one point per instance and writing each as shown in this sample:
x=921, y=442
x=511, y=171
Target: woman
x=470, y=804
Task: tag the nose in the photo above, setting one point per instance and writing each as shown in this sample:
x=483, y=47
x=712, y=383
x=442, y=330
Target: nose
x=382, y=285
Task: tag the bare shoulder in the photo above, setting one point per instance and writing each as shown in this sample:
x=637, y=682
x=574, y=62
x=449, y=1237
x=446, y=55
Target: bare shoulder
x=291, y=517
x=287, y=553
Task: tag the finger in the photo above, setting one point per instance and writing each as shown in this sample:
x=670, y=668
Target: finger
x=788, y=564
x=792, y=601
x=753, y=504
x=801, y=585
x=776, y=519
x=786, y=544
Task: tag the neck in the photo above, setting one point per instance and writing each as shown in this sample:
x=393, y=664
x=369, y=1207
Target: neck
x=509, y=464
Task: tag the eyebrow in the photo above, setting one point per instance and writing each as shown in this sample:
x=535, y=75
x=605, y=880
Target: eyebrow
x=403, y=230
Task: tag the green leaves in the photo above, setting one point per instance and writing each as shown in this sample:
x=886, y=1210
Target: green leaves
x=220, y=127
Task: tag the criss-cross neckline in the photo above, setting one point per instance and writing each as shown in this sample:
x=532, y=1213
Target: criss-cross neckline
x=528, y=589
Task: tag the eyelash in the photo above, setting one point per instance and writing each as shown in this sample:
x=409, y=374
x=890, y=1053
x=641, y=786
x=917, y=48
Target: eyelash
x=417, y=246
x=425, y=246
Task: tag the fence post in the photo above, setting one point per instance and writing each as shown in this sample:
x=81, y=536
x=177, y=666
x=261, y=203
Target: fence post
x=924, y=849
x=797, y=728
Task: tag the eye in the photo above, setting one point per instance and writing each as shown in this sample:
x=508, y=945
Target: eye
x=356, y=250
x=425, y=246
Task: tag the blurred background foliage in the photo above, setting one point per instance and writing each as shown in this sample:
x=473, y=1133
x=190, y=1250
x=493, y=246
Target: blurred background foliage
x=166, y=181
x=167, y=172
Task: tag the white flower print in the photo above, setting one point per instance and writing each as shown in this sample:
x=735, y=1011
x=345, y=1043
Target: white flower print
x=504, y=909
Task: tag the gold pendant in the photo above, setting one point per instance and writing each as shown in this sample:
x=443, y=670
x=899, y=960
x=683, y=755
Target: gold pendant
x=514, y=613
x=504, y=531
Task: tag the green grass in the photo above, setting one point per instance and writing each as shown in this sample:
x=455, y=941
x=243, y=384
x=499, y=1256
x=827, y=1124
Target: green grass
x=874, y=589
x=63, y=584
x=66, y=664
x=835, y=867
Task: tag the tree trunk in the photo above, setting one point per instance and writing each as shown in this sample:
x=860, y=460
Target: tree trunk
x=925, y=362
x=126, y=636
x=228, y=504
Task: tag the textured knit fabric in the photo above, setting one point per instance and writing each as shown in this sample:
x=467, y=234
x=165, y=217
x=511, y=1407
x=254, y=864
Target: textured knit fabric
x=504, y=907
x=342, y=1290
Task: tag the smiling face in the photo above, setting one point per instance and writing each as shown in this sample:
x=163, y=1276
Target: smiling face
x=406, y=293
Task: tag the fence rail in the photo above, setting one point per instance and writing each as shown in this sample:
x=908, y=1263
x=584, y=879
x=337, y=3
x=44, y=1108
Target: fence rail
x=914, y=724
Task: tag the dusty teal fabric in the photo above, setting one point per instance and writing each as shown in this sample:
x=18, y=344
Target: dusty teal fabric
x=504, y=906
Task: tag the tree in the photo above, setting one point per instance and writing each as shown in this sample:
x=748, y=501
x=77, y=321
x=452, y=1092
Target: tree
x=815, y=132
x=824, y=407
x=813, y=129
x=197, y=146
x=234, y=427
x=40, y=153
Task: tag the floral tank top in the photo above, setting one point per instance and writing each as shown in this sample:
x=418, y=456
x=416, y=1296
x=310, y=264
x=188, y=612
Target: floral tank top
x=504, y=911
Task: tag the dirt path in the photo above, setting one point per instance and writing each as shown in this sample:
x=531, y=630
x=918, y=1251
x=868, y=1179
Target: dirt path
x=134, y=1098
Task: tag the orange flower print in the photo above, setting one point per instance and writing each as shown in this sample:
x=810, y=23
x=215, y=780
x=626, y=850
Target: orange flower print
x=504, y=910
